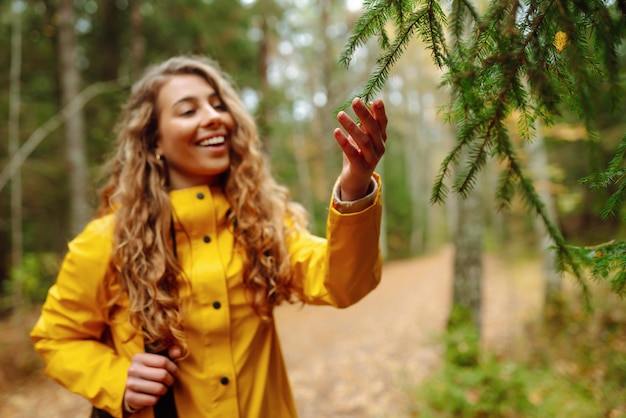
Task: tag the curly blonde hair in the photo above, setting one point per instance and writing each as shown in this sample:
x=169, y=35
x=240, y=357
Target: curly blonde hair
x=137, y=193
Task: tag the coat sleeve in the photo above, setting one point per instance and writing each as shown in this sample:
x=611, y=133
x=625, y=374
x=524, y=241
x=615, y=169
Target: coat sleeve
x=341, y=269
x=69, y=332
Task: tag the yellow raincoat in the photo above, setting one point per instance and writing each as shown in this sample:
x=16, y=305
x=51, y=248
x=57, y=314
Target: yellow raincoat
x=235, y=366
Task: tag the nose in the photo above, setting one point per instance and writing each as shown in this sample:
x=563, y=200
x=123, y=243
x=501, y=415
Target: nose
x=210, y=115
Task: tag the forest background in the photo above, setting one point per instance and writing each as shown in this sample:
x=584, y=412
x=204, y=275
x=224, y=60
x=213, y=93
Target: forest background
x=284, y=57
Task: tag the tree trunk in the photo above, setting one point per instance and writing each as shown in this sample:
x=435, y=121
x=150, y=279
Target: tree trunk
x=468, y=242
x=464, y=323
x=538, y=166
x=265, y=104
x=17, y=238
x=417, y=166
x=137, y=41
x=320, y=75
x=107, y=36
x=468, y=266
x=304, y=174
x=324, y=124
x=75, y=126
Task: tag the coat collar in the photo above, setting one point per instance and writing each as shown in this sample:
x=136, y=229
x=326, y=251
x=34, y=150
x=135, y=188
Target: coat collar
x=193, y=207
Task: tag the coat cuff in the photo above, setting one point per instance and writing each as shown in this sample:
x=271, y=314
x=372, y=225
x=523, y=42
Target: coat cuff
x=354, y=206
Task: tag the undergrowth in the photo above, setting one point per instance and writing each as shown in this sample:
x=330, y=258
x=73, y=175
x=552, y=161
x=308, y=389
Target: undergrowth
x=572, y=364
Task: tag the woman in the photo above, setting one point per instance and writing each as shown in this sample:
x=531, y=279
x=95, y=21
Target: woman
x=193, y=246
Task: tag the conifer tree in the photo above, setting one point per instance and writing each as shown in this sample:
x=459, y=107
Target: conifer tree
x=529, y=57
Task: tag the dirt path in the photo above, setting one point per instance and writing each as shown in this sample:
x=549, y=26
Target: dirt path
x=355, y=362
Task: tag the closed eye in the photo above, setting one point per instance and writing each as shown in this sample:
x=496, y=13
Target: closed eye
x=221, y=106
x=188, y=112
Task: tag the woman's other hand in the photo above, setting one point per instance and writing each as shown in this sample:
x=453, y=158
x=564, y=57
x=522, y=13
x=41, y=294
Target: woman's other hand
x=149, y=377
x=363, y=146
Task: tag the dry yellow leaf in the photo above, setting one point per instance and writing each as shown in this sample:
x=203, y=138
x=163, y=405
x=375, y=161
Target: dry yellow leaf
x=560, y=40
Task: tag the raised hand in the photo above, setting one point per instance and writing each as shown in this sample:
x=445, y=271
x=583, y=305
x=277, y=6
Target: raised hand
x=363, y=146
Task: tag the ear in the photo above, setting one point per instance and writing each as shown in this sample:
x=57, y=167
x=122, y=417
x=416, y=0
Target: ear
x=158, y=151
x=157, y=147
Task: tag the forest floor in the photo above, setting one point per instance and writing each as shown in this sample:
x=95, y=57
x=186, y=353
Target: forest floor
x=357, y=362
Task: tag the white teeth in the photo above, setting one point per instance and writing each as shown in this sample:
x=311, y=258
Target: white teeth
x=216, y=140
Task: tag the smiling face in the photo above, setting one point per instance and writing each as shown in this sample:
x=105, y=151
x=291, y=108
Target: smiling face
x=195, y=128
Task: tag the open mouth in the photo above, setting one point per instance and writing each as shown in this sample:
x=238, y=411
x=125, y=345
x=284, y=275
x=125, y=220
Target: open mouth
x=211, y=142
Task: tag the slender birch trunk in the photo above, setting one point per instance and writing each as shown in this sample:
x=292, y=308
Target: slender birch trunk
x=468, y=265
x=17, y=239
x=76, y=154
x=538, y=166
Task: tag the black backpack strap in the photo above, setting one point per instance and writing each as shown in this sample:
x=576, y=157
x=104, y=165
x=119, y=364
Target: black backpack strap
x=166, y=406
x=99, y=413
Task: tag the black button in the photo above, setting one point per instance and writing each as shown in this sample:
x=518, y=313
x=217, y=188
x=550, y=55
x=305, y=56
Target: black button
x=200, y=196
x=217, y=305
x=224, y=381
x=207, y=239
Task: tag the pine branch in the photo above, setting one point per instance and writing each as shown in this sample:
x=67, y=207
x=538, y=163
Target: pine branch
x=614, y=174
x=605, y=261
x=620, y=156
x=526, y=124
x=372, y=22
x=433, y=35
x=478, y=159
x=458, y=19
x=566, y=257
x=420, y=22
x=440, y=190
x=506, y=187
x=401, y=9
x=614, y=203
x=509, y=64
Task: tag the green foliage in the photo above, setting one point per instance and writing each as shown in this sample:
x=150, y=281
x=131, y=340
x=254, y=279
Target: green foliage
x=32, y=280
x=575, y=367
x=587, y=350
x=397, y=216
x=491, y=389
x=613, y=175
x=426, y=22
x=501, y=388
x=506, y=63
x=606, y=262
x=462, y=340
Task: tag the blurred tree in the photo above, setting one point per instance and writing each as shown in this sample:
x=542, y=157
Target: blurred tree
x=15, y=70
x=76, y=152
x=137, y=40
x=539, y=171
x=468, y=259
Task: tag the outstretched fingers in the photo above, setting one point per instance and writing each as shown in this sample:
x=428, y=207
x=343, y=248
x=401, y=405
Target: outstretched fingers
x=363, y=146
x=367, y=139
x=355, y=143
x=380, y=115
